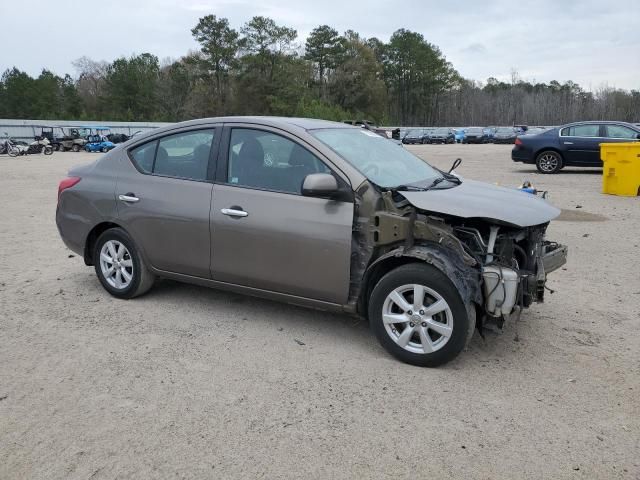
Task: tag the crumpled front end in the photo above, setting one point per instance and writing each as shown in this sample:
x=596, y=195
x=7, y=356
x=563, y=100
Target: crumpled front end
x=498, y=265
x=514, y=262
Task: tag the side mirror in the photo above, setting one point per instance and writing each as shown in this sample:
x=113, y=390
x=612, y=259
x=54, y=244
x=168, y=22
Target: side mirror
x=322, y=185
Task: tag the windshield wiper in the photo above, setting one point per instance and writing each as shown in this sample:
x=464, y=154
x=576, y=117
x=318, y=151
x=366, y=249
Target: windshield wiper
x=452, y=178
x=414, y=188
x=407, y=188
x=435, y=182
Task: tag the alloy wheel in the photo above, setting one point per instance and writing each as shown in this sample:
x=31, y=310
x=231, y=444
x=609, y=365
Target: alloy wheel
x=116, y=264
x=548, y=162
x=417, y=318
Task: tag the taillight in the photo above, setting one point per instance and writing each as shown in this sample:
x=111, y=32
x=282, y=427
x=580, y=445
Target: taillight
x=518, y=141
x=67, y=183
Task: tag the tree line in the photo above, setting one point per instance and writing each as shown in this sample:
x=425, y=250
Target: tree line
x=261, y=69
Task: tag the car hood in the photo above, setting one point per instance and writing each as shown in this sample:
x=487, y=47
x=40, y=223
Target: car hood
x=473, y=199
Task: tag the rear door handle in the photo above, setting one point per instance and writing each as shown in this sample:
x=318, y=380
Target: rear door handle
x=129, y=198
x=568, y=143
x=234, y=212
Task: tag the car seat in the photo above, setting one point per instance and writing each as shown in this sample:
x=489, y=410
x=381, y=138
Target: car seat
x=248, y=167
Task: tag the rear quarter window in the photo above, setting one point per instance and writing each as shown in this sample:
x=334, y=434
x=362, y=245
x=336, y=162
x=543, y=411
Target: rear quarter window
x=143, y=156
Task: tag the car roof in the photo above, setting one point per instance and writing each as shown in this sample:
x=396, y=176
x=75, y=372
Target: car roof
x=304, y=123
x=600, y=122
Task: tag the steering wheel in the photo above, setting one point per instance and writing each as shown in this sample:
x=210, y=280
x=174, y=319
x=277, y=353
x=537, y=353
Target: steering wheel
x=372, y=167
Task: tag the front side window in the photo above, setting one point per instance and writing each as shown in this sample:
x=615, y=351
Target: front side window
x=265, y=160
x=181, y=155
x=620, y=131
x=381, y=161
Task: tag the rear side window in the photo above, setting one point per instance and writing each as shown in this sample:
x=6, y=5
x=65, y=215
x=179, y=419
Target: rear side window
x=582, y=131
x=182, y=155
x=143, y=156
x=620, y=131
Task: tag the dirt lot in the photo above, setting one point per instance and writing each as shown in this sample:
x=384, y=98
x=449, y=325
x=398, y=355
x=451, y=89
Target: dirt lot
x=187, y=382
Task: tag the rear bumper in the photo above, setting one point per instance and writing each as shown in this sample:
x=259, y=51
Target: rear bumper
x=70, y=232
x=519, y=154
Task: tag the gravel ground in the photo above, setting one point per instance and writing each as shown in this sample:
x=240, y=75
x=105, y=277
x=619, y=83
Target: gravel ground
x=188, y=382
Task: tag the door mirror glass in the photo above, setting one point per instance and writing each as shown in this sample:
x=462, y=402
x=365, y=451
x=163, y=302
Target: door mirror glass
x=319, y=185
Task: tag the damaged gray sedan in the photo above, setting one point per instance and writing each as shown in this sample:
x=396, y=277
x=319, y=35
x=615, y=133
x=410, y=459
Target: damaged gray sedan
x=312, y=213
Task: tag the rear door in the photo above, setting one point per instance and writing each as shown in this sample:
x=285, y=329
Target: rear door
x=163, y=195
x=265, y=234
x=581, y=144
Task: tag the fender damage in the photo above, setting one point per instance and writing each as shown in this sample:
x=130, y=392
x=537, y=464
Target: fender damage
x=473, y=252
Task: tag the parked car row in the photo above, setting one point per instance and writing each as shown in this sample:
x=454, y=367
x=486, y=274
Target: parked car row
x=504, y=135
x=428, y=135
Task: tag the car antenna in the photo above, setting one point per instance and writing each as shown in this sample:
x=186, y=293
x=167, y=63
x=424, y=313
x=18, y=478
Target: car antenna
x=456, y=164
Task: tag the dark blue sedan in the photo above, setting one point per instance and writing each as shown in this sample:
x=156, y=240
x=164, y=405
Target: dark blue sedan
x=574, y=144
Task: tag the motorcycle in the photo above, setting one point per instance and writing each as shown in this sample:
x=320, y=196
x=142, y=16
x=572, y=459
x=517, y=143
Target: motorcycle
x=40, y=145
x=12, y=148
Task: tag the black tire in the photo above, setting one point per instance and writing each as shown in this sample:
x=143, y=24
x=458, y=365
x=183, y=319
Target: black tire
x=104, y=150
x=434, y=279
x=142, y=279
x=549, y=162
x=75, y=147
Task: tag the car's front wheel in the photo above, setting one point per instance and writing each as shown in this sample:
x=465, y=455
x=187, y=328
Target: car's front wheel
x=549, y=162
x=119, y=265
x=418, y=316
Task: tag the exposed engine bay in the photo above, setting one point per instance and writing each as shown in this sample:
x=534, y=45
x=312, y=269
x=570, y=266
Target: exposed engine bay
x=498, y=266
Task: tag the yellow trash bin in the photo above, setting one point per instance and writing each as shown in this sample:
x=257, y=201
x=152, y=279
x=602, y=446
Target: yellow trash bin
x=621, y=168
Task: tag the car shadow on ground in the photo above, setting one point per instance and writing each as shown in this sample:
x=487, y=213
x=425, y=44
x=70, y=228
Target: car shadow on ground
x=214, y=307
x=272, y=314
x=564, y=171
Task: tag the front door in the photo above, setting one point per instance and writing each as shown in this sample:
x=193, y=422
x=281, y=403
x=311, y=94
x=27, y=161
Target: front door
x=620, y=134
x=164, y=198
x=265, y=234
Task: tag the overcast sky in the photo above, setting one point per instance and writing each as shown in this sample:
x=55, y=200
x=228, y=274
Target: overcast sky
x=592, y=42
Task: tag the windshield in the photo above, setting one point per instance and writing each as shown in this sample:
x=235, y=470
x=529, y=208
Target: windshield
x=505, y=130
x=442, y=131
x=381, y=161
x=415, y=133
x=474, y=130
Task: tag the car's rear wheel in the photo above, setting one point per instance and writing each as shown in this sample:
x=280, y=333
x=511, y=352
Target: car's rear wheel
x=75, y=147
x=418, y=316
x=549, y=162
x=119, y=265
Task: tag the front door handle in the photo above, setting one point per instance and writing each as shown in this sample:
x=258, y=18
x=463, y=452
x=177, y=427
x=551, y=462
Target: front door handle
x=568, y=143
x=129, y=198
x=234, y=212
